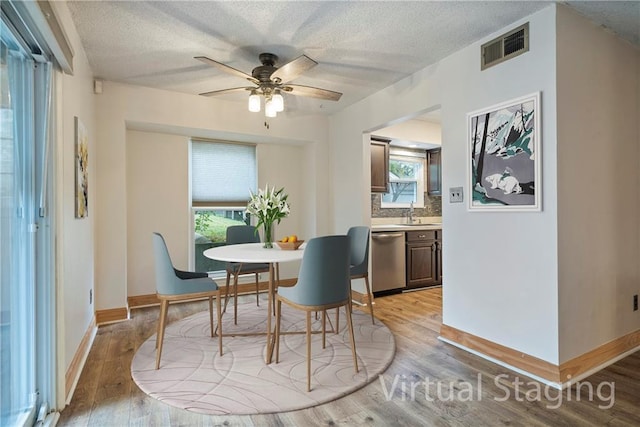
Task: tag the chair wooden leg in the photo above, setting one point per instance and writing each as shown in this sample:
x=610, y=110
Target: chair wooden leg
x=158, y=326
x=337, y=320
x=350, y=294
x=219, y=310
x=324, y=329
x=235, y=296
x=226, y=294
x=308, y=351
x=164, y=305
x=257, y=291
x=277, y=338
x=211, y=314
x=353, y=341
x=366, y=282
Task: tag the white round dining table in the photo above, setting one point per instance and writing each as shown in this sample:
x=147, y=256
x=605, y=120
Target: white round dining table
x=257, y=253
x=253, y=253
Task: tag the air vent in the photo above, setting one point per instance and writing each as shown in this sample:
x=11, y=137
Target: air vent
x=507, y=46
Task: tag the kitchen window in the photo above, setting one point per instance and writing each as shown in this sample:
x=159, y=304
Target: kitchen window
x=406, y=179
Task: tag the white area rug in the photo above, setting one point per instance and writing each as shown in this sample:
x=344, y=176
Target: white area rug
x=195, y=377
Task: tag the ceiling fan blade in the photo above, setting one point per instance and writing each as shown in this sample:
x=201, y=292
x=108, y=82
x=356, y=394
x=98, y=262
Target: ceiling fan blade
x=223, y=91
x=313, y=92
x=293, y=69
x=225, y=68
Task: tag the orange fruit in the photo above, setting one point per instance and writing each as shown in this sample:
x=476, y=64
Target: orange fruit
x=293, y=238
x=284, y=239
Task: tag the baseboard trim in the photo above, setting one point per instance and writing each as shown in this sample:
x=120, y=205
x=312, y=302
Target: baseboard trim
x=522, y=361
x=111, y=315
x=72, y=375
x=562, y=375
x=139, y=301
x=600, y=357
x=360, y=298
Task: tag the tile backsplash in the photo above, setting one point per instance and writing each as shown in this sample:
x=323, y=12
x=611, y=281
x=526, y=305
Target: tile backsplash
x=432, y=208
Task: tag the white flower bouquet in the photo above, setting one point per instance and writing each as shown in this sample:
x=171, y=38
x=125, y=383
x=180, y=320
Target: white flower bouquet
x=268, y=205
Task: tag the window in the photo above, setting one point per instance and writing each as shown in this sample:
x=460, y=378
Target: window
x=222, y=174
x=210, y=231
x=406, y=180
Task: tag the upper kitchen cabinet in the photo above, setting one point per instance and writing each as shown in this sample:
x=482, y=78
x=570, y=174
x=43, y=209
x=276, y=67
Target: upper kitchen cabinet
x=434, y=172
x=379, y=165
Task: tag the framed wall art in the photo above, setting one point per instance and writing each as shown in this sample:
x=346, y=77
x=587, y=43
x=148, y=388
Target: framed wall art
x=504, y=156
x=82, y=172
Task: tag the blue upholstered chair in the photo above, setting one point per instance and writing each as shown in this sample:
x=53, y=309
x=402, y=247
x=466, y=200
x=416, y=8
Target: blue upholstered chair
x=323, y=283
x=176, y=285
x=238, y=234
x=359, y=237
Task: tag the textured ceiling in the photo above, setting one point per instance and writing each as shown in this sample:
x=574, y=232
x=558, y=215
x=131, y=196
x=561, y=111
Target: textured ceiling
x=361, y=46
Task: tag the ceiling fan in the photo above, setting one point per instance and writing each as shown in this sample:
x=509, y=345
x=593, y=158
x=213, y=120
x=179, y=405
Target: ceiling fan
x=271, y=81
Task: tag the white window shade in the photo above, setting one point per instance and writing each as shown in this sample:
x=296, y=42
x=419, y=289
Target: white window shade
x=222, y=172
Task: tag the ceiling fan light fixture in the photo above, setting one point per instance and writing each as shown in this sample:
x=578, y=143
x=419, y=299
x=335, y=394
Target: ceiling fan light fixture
x=254, y=102
x=271, y=81
x=278, y=101
x=270, y=108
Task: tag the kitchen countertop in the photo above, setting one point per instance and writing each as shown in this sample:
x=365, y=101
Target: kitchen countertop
x=406, y=227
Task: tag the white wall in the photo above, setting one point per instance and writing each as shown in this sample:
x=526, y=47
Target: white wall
x=598, y=185
x=75, y=237
x=500, y=268
x=284, y=166
x=122, y=107
x=158, y=200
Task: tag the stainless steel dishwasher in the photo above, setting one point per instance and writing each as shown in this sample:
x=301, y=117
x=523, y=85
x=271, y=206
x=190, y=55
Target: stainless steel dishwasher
x=387, y=261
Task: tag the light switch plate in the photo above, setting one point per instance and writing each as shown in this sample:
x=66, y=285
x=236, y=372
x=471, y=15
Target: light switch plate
x=455, y=195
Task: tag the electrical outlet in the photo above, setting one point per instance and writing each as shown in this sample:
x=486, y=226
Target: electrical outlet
x=455, y=195
x=635, y=302
x=90, y=296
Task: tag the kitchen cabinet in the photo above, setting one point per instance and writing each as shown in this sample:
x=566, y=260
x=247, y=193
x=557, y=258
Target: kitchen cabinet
x=424, y=258
x=379, y=165
x=434, y=172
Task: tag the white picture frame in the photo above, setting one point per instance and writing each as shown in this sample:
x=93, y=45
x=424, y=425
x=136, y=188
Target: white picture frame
x=504, y=156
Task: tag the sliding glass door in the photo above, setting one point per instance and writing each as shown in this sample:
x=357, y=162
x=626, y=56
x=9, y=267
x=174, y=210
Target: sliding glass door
x=27, y=297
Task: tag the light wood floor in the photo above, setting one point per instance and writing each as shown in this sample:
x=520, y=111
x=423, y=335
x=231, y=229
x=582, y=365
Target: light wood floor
x=463, y=389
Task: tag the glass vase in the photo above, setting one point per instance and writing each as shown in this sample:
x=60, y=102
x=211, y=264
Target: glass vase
x=268, y=239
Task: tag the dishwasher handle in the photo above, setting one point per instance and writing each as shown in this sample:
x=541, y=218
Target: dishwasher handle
x=386, y=236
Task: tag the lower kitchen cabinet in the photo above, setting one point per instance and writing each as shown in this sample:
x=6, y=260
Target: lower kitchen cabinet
x=424, y=258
